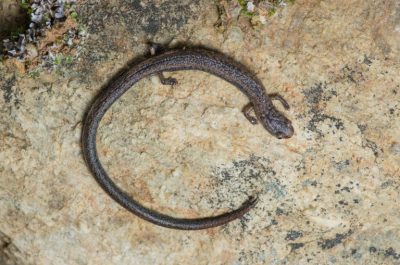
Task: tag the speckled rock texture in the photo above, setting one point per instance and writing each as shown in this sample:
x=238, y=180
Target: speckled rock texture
x=328, y=195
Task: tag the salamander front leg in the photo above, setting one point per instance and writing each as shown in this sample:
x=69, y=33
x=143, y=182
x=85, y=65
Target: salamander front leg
x=276, y=96
x=170, y=81
x=247, y=113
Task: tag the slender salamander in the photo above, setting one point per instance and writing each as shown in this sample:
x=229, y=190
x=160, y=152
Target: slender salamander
x=208, y=61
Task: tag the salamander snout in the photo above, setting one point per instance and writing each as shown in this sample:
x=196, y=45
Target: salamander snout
x=287, y=132
x=278, y=125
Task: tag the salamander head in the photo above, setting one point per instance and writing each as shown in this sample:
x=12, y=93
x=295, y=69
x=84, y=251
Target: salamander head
x=277, y=124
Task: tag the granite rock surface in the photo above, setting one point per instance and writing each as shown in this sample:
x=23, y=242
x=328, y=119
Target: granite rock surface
x=328, y=195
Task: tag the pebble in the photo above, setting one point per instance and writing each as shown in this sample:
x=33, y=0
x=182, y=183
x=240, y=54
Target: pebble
x=31, y=50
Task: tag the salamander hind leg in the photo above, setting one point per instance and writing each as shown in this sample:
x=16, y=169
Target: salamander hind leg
x=169, y=81
x=247, y=113
x=154, y=48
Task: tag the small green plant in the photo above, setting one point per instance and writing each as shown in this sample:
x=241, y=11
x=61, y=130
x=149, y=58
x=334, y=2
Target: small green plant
x=63, y=60
x=269, y=6
x=58, y=59
x=243, y=10
x=46, y=18
x=271, y=12
x=247, y=13
x=34, y=74
x=74, y=15
x=17, y=31
x=65, y=37
x=69, y=59
x=82, y=30
x=24, y=4
x=242, y=3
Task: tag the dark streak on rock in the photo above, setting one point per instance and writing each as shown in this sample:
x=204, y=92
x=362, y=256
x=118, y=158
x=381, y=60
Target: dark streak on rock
x=330, y=243
x=314, y=96
x=342, y=164
x=243, y=222
x=7, y=88
x=372, y=249
x=362, y=127
x=346, y=189
x=388, y=253
x=294, y=246
x=293, y=235
x=391, y=253
x=386, y=184
x=371, y=145
x=320, y=117
x=318, y=93
x=367, y=60
x=279, y=211
x=246, y=176
x=353, y=75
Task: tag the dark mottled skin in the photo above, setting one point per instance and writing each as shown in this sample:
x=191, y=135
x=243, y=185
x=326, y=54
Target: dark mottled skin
x=207, y=61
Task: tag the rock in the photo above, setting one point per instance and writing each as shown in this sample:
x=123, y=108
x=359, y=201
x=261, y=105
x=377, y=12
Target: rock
x=328, y=195
x=31, y=50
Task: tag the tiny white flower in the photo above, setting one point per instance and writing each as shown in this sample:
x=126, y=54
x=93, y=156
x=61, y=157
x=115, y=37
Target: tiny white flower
x=250, y=6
